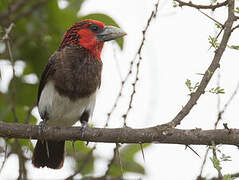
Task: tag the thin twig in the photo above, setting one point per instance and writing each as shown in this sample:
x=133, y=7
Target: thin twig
x=211, y=18
x=7, y=32
x=120, y=162
x=221, y=112
x=215, y=156
x=132, y=62
x=203, y=163
x=21, y=161
x=212, y=7
x=153, y=15
x=237, y=26
x=218, y=100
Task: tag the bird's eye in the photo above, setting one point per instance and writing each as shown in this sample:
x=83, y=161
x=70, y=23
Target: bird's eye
x=94, y=28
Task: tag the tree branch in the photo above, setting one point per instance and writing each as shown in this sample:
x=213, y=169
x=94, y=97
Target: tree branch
x=211, y=69
x=157, y=134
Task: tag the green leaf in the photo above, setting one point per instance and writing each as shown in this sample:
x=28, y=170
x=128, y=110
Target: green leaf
x=228, y=177
x=218, y=26
x=27, y=143
x=234, y=47
x=107, y=20
x=216, y=163
x=225, y=157
x=21, y=114
x=190, y=87
x=217, y=90
x=213, y=41
x=236, y=10
x=188, y=84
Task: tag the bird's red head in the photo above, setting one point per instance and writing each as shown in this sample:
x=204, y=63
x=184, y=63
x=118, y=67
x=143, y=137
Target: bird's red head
x=91, y=35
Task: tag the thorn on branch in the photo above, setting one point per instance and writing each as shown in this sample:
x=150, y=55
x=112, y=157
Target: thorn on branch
x=142, y=150
x=187, y=146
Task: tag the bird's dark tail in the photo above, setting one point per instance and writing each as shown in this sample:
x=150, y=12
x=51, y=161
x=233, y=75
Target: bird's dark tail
x=49, y=154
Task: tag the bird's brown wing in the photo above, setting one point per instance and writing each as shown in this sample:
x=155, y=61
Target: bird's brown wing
x=48, y=72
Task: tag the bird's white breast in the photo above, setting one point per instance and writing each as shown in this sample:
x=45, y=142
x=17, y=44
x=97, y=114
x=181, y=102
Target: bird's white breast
x=60, y=109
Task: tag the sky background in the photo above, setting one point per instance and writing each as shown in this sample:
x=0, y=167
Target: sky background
x=176, y=49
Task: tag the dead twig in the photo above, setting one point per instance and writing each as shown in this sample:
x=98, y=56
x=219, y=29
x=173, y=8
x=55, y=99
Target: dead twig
x=153, y=15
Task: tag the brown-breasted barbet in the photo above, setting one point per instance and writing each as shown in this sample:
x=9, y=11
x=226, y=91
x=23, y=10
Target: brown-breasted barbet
x=69, y=85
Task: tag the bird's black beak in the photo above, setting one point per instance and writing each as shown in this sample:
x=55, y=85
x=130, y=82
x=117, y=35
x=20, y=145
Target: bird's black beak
x=110, y=33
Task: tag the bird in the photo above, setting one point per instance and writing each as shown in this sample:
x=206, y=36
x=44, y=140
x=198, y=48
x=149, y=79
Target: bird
x=69, y=85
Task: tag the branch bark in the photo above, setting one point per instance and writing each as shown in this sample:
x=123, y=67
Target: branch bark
x=157, y=134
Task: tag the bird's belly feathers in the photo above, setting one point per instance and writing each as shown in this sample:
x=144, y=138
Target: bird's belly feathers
x=60, y=110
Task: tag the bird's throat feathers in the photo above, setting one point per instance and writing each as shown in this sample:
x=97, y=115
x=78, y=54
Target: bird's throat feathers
x=89, y=41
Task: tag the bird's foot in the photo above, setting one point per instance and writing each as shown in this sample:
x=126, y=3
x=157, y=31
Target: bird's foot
x=42, y=128
x=84, y=125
